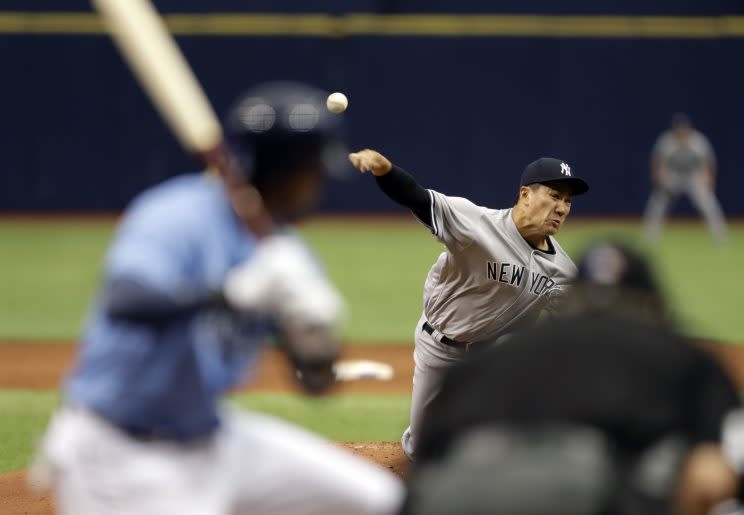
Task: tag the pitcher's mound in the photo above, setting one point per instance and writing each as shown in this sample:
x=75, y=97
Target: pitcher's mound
x=387, y=454
x=16, y=499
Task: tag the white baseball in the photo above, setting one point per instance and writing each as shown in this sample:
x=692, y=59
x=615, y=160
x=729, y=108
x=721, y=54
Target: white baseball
x=337, y=102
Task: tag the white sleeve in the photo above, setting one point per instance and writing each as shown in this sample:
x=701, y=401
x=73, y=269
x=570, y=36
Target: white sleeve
x=454, y=220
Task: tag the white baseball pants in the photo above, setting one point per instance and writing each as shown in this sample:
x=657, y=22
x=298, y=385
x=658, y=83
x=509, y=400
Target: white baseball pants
x=253, y=465
x=701, y=196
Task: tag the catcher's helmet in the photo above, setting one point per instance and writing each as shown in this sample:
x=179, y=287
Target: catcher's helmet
x=612, y=263
x=277, y=126
x=615, y=278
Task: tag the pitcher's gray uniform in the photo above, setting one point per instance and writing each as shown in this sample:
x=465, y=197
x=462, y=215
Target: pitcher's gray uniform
x=683, y=164
x=499, y=270
x=488, y=283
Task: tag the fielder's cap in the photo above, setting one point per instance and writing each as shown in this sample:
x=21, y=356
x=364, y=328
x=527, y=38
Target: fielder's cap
x=681, y=120
x=549, y=169
x=617, y=280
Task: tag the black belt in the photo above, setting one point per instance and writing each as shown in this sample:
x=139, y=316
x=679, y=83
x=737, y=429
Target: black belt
x=142, y=434
x=148, y=435
x=447, y=341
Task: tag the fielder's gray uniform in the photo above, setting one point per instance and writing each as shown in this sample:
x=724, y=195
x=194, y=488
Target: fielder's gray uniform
x=487, y=283
x=685, y=162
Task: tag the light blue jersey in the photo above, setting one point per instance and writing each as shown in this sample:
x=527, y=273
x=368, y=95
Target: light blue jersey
x=180, y=238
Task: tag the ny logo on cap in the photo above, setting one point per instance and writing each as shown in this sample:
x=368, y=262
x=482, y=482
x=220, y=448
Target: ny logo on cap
x=565, y=170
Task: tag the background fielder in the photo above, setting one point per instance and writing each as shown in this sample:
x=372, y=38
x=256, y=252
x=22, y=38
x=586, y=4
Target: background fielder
x=683, y=162
x=188, y=295
x=500, y=268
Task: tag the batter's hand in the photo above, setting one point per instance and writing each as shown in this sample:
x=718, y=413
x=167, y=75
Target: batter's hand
x=283, y=279
x=371, y=161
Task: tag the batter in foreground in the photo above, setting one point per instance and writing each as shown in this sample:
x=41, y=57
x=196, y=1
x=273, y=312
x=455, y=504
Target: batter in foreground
x=499, y=270
x=188, y=296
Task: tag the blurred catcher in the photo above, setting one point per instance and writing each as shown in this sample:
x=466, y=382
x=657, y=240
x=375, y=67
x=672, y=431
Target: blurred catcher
x=606, y=411
x=188, y=295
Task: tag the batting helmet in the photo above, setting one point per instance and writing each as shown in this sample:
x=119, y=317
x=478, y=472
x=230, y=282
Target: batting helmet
x=278, y=126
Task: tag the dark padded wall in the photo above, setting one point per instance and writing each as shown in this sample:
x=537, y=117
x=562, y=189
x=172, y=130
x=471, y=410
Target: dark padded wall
x=464, y=114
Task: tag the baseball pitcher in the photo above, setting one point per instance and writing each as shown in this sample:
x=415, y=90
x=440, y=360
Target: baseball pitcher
x=683, y=162
x=188, y=295
x=499, y=270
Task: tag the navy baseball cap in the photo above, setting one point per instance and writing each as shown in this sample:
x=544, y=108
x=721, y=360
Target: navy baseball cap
x=681, y=120
x=549, y=169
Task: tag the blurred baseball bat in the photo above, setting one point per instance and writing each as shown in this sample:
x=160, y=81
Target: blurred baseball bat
x=154, y=57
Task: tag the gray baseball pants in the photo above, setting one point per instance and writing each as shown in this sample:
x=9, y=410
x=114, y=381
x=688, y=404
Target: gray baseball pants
x=701, y=196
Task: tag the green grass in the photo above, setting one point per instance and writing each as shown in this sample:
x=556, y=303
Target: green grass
x=48, y=272
x=24, y=417
x=342, y=418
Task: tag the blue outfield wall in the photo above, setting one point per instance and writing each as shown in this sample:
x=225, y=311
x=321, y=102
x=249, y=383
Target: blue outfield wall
x=464, y=114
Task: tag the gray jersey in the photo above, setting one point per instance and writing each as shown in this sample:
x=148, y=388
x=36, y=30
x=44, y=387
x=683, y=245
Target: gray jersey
x=489, y=281
x=683, y=158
